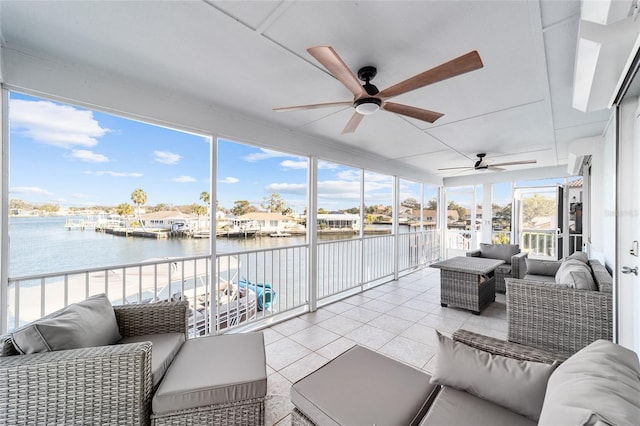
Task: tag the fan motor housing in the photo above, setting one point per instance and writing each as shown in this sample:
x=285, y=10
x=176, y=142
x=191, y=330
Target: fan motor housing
x=366, y=74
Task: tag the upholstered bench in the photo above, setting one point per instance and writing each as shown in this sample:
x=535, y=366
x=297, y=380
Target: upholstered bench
x=214, y=380
x=362, y=387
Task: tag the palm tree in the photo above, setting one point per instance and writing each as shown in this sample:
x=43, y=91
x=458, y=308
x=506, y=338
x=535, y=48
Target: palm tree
x=139, y=197
x=205, y=197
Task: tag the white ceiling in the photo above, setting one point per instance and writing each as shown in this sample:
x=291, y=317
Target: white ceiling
x=247, y=57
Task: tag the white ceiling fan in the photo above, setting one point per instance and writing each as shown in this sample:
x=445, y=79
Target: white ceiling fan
x=483, y=164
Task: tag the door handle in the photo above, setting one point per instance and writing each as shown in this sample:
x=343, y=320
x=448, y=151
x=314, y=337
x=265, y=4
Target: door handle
x=629, y=270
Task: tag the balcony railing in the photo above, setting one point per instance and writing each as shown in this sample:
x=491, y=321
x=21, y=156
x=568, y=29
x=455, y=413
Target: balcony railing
x=458, y=239
x=246, y=287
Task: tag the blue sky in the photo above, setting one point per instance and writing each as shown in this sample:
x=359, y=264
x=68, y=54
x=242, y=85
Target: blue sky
x=71, y=156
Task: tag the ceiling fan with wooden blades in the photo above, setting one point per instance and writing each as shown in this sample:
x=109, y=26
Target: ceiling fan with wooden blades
x=367, y=99
x=482, y=164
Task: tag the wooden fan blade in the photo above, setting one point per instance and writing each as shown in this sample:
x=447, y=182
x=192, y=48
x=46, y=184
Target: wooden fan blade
x=457, y=168
x=336, y=66
x=497, y=169
x=353, y=123
x=513, y=163
x=313, y=106
x=460, y=65
x=414, y=112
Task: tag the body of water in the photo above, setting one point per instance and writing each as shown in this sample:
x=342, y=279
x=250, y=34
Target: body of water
x=40, y=245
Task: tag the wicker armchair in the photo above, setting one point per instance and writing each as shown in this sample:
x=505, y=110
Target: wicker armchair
x=558, y=318
x=101, y=385
x=506, y=348
x=515, y=266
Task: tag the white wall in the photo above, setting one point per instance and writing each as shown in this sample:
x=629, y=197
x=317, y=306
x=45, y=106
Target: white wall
x=627, y=288
x=603, y=205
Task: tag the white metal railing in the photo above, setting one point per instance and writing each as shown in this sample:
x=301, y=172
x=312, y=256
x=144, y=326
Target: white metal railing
x=247, y=286
x=458, y=239
x=540, y=243
x=418, y=248
x=339, y=266
x=241, y=291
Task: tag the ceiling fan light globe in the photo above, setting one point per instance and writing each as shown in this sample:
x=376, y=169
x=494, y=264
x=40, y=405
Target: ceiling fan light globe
x=367, y=106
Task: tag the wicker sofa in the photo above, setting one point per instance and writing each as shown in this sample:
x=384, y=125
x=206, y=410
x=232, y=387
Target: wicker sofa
x=479, y=380
x=514, y=266
x=555, y=316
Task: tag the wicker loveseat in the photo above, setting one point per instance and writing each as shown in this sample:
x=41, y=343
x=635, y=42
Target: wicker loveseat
x=514, y=259
x=110, y=384
x=556, y=316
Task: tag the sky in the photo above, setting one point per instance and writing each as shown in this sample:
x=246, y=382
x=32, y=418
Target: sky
x=74, y=157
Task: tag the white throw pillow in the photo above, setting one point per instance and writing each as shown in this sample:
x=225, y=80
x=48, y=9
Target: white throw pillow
x=576, y=274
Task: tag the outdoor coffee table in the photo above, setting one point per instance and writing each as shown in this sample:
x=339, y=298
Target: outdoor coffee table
x=467, y=282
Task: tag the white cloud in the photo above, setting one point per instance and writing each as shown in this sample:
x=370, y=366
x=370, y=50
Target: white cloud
x=59, y=125
x=89, y=156
x=291, y=164
x=345, y=190
x=29, y=190
x=229, y=179
x=184, y=179
x=287, y=188
x=327, y=166
x=350, y=174
x=265, y=154
x=79, y=195
x=166, y=157
x=114, y=174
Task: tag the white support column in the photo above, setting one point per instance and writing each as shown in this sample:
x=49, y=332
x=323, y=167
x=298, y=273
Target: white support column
x=472, y=226
x=487, y=213
x=395, y=226
x=442, y=222
x=312, y=233
x=4, y=214
x=361, y=234
x=213, y=190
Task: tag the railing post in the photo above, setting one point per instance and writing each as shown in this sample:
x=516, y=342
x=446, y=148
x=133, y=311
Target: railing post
x=395, y=227
x=213, y=276
x=4, y=209
x=312, y=233
x=361, y=259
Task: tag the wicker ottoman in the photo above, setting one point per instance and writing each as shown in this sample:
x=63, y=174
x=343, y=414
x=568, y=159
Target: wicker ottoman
x=362, y=387
x=216, y=380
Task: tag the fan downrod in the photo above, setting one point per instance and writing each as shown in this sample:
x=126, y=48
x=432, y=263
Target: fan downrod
x=367, y=74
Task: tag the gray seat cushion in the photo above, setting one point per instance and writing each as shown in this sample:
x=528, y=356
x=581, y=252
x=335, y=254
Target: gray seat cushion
x=540, y=278
x=542, y=267
x=499, y=251
x=213, y=370
x=85, y=324
x=455, y=407
x=599, y=384
x=164, y=348
x=362, y=387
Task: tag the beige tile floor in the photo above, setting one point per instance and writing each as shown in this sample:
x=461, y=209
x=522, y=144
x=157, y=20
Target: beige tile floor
x=397, y=319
